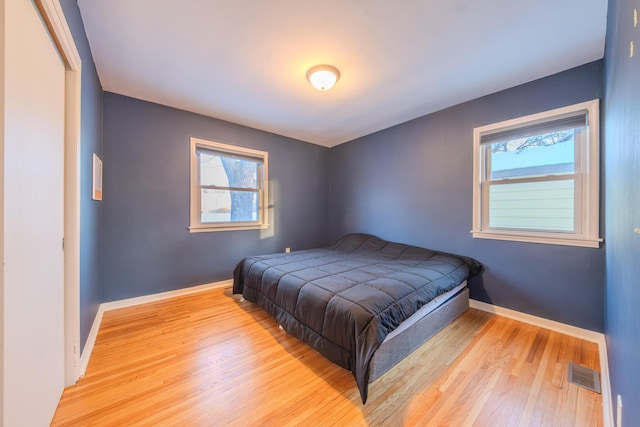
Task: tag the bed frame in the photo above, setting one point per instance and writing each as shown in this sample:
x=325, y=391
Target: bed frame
x=400, y=346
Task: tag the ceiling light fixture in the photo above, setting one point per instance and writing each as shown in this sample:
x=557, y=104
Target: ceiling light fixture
x=323, y=77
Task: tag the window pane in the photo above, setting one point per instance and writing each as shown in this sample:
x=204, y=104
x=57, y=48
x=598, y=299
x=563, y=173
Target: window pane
x=224, y=171
x=539, y=155
x=544, y=205
x=228, y=206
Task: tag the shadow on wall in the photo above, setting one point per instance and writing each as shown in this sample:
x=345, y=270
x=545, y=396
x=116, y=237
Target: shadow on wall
x=476, y=288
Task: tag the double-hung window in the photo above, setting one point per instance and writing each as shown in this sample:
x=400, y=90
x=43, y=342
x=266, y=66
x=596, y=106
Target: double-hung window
x=228, y=187
x=536, y=178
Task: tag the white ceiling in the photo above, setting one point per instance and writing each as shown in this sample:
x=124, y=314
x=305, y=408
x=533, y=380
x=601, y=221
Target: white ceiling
x=245, y=60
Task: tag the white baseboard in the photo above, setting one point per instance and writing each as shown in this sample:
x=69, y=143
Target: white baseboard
x=91, y=341
x=563, y=328
x=129, y=302
x=607, y=403
x=585, y=334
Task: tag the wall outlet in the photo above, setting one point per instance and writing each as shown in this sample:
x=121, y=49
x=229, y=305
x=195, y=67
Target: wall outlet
x=619, y=412
x=287, y=250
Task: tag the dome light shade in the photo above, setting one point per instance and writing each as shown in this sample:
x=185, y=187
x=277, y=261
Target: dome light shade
x=323, y=77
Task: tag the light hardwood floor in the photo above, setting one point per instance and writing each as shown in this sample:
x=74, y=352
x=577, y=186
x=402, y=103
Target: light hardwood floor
x=206, y=359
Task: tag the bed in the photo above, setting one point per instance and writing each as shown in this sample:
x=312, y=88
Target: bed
x=364, y=303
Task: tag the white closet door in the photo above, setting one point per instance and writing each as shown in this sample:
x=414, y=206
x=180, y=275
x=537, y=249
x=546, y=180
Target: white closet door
x=33, y=219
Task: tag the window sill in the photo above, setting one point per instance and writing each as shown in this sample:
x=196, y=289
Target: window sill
x=564, y=241
x=208, y=229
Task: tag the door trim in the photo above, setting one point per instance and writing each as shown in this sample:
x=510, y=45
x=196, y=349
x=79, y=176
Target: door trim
x=53, y=16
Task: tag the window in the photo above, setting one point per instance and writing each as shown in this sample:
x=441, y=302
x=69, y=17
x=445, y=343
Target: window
x=536, y=178
x=228, y=187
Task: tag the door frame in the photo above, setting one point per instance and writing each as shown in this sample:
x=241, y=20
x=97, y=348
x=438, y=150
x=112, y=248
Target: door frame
x=53, y=15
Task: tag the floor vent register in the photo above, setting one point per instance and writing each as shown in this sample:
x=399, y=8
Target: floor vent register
x=584, y=377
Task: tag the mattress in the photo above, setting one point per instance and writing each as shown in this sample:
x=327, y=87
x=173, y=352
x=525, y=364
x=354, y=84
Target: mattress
x=426, y=309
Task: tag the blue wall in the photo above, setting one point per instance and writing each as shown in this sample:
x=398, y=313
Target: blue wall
x=90, y=142
x=413, y=183
x=147, y=247
x=622, y=163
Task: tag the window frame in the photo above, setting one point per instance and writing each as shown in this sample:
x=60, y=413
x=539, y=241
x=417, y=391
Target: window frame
x=195, y=223
x=586, y=181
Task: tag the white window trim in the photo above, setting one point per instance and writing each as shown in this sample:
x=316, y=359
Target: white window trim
x=195, y=225
x=590, y=194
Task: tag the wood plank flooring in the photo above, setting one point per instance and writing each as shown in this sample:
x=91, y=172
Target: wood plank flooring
x=206, y=359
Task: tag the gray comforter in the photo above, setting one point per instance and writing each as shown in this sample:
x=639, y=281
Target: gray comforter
x=343, y=300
